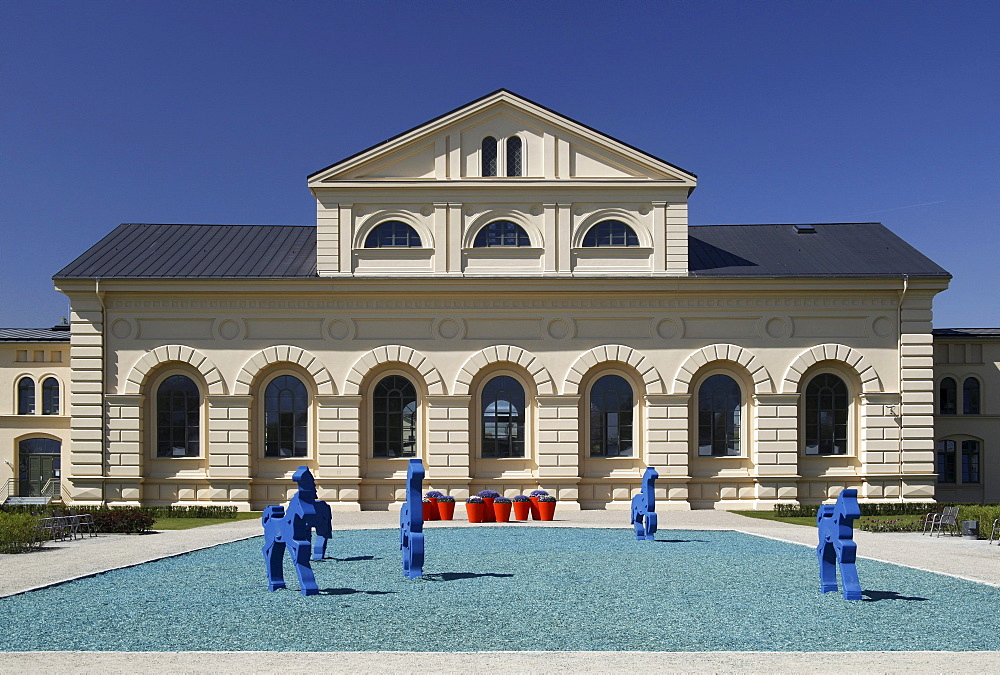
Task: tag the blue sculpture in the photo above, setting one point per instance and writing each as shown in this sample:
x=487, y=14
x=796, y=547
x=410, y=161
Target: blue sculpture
x=411, y=522
x=644, y=507
x=294, y=529
x=836, y=544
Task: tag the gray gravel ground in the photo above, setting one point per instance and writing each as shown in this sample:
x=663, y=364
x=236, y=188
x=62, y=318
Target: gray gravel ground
x=974, y=560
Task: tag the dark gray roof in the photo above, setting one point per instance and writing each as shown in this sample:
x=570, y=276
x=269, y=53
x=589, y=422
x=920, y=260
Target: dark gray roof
x=832, y=250
x=54, y=334
x=138, y=251
x=967, y=333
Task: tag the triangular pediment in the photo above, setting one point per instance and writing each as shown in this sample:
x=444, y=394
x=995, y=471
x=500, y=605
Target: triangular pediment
x=555, y=147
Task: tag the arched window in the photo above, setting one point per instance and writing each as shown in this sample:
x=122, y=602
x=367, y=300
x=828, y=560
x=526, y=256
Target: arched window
x=286, y=418
x=514, y=155
x=392, y=234
x=948, y=396
x=503, y=418
x=611, y=417
x=501, y=233
x=38, y=467
x=50, y=396
x=719, y=407
x=489, y=156
x=826, y=415
x=394, y=418
x=26, y=396
x=610, y=233
x=970, y=461
x=970, y=396
x=178, y=408
x=946, y=461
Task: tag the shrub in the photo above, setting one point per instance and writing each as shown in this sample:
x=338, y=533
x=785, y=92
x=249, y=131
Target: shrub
x=433, y=493
x=489, y=494
x=520, y=498
x=193, y=511
x=19, y=533
x=122, y=519
x=446, y=499
x=501, y=500
x=908, y=509
x=870, y=524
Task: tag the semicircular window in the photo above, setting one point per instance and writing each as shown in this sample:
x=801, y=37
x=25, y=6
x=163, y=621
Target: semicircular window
x=392, y=234
x=610, y=233
x=501, y=233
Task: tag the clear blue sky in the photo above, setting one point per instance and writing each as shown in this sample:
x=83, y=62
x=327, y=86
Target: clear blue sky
x=215, y=112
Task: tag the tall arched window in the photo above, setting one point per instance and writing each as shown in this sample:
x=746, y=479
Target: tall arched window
x=38, y=464
x=392, y=234
x=178, y=408
x=489, y=156
x=514, y=156
x=394, y=418
x=970, y=396
x=610, y=233
x=501, y=233
x=826, y=415
x=719, y=406
x=970, y=461
x=286, y=418
x=50, y=396
x=25, y=396
x=611, y=417
x=503, y=418
x=946, y=461
x=948, y=396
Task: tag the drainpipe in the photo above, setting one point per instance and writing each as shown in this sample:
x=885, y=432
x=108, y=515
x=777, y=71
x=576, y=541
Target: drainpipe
x=104, y=370
x=899, y=367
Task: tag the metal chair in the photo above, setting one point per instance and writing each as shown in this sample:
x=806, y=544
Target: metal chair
x=929, y=520
x=995, y=532
x=947, y=520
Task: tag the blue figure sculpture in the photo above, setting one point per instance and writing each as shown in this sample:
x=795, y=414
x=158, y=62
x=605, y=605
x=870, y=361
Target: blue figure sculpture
x=644, y=507
x=294, y=529
x=411, y=522
x=836, y=544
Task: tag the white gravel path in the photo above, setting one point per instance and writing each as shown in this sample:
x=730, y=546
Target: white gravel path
x=974, y=560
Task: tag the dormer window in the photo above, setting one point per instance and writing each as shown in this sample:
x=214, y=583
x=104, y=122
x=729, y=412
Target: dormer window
x=489, y=156
x=610, y=233
x=501, y=233
x=392, y=234
x=514, y=148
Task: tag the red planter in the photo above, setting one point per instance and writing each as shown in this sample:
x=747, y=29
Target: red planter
x=446, y=510
x=434, y=510
x=521, y=510
x=501, y=512
x=428, y=510
x=546, y=510
x=475, y=512
x=488, y=515
x=534, y=509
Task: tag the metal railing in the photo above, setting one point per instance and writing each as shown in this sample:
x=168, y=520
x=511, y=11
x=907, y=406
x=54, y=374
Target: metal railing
x=8, y=489
x=50, y=489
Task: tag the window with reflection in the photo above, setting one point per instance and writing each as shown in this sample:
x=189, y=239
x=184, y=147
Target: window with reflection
x=501, y=233
x=946, y=461
x=826, y=415
x=611, y=417
x=178, y=410
x=948, y=396
x=286, y=417
x=25, y=396
x=392, y=234
x=514, y=155
x=970, y=396
x=489, y=156
x=50, y=396
x=610, y=233
x=394, y=418
x=970, y=461
x=503, y=418
x=719, y=408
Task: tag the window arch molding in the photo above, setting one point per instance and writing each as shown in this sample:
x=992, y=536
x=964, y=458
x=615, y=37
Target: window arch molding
x=211, y=376
x=744, y=382
x=589, y=435
x=369, y=223
x=854, y=410
x=629, y=218
x=281, y=355
x=529, y=413
x=482, y=220
x=262, y=381
x=370, y=408
x=850, y=360
x=155, y=381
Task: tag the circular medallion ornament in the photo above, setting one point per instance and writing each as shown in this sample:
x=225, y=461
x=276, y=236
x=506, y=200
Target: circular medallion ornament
x=121, y=329
x=229, y=329
x=668, y=329
x=449, y=329
x=776, y=327
x=426, y=210
x=536, y=209
x=645, y=209
x=882, y=326
x=558, y=329
x=338, y=329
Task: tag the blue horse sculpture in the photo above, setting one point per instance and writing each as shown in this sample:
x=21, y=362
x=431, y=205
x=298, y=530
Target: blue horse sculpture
x=644, y=507
x=411, y=522
x=294, y=528
x=836, y=544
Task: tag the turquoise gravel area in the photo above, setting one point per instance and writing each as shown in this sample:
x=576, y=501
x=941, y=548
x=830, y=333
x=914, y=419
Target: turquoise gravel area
x=508, y=588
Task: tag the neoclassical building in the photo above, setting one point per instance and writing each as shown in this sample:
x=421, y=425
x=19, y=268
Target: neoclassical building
x=518, y=300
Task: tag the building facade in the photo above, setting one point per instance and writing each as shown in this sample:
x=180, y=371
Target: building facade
x=519, y=301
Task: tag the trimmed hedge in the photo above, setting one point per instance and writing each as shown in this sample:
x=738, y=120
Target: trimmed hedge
x=156, y=511
x=19, y=533
x=122, y=519
x=910, y=509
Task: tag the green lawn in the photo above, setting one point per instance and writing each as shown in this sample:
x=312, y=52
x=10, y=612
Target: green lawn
x=769, y=515
x=891, y=523
x=188, y=523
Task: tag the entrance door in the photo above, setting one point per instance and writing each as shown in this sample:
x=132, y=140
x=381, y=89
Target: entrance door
x=39, y=463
